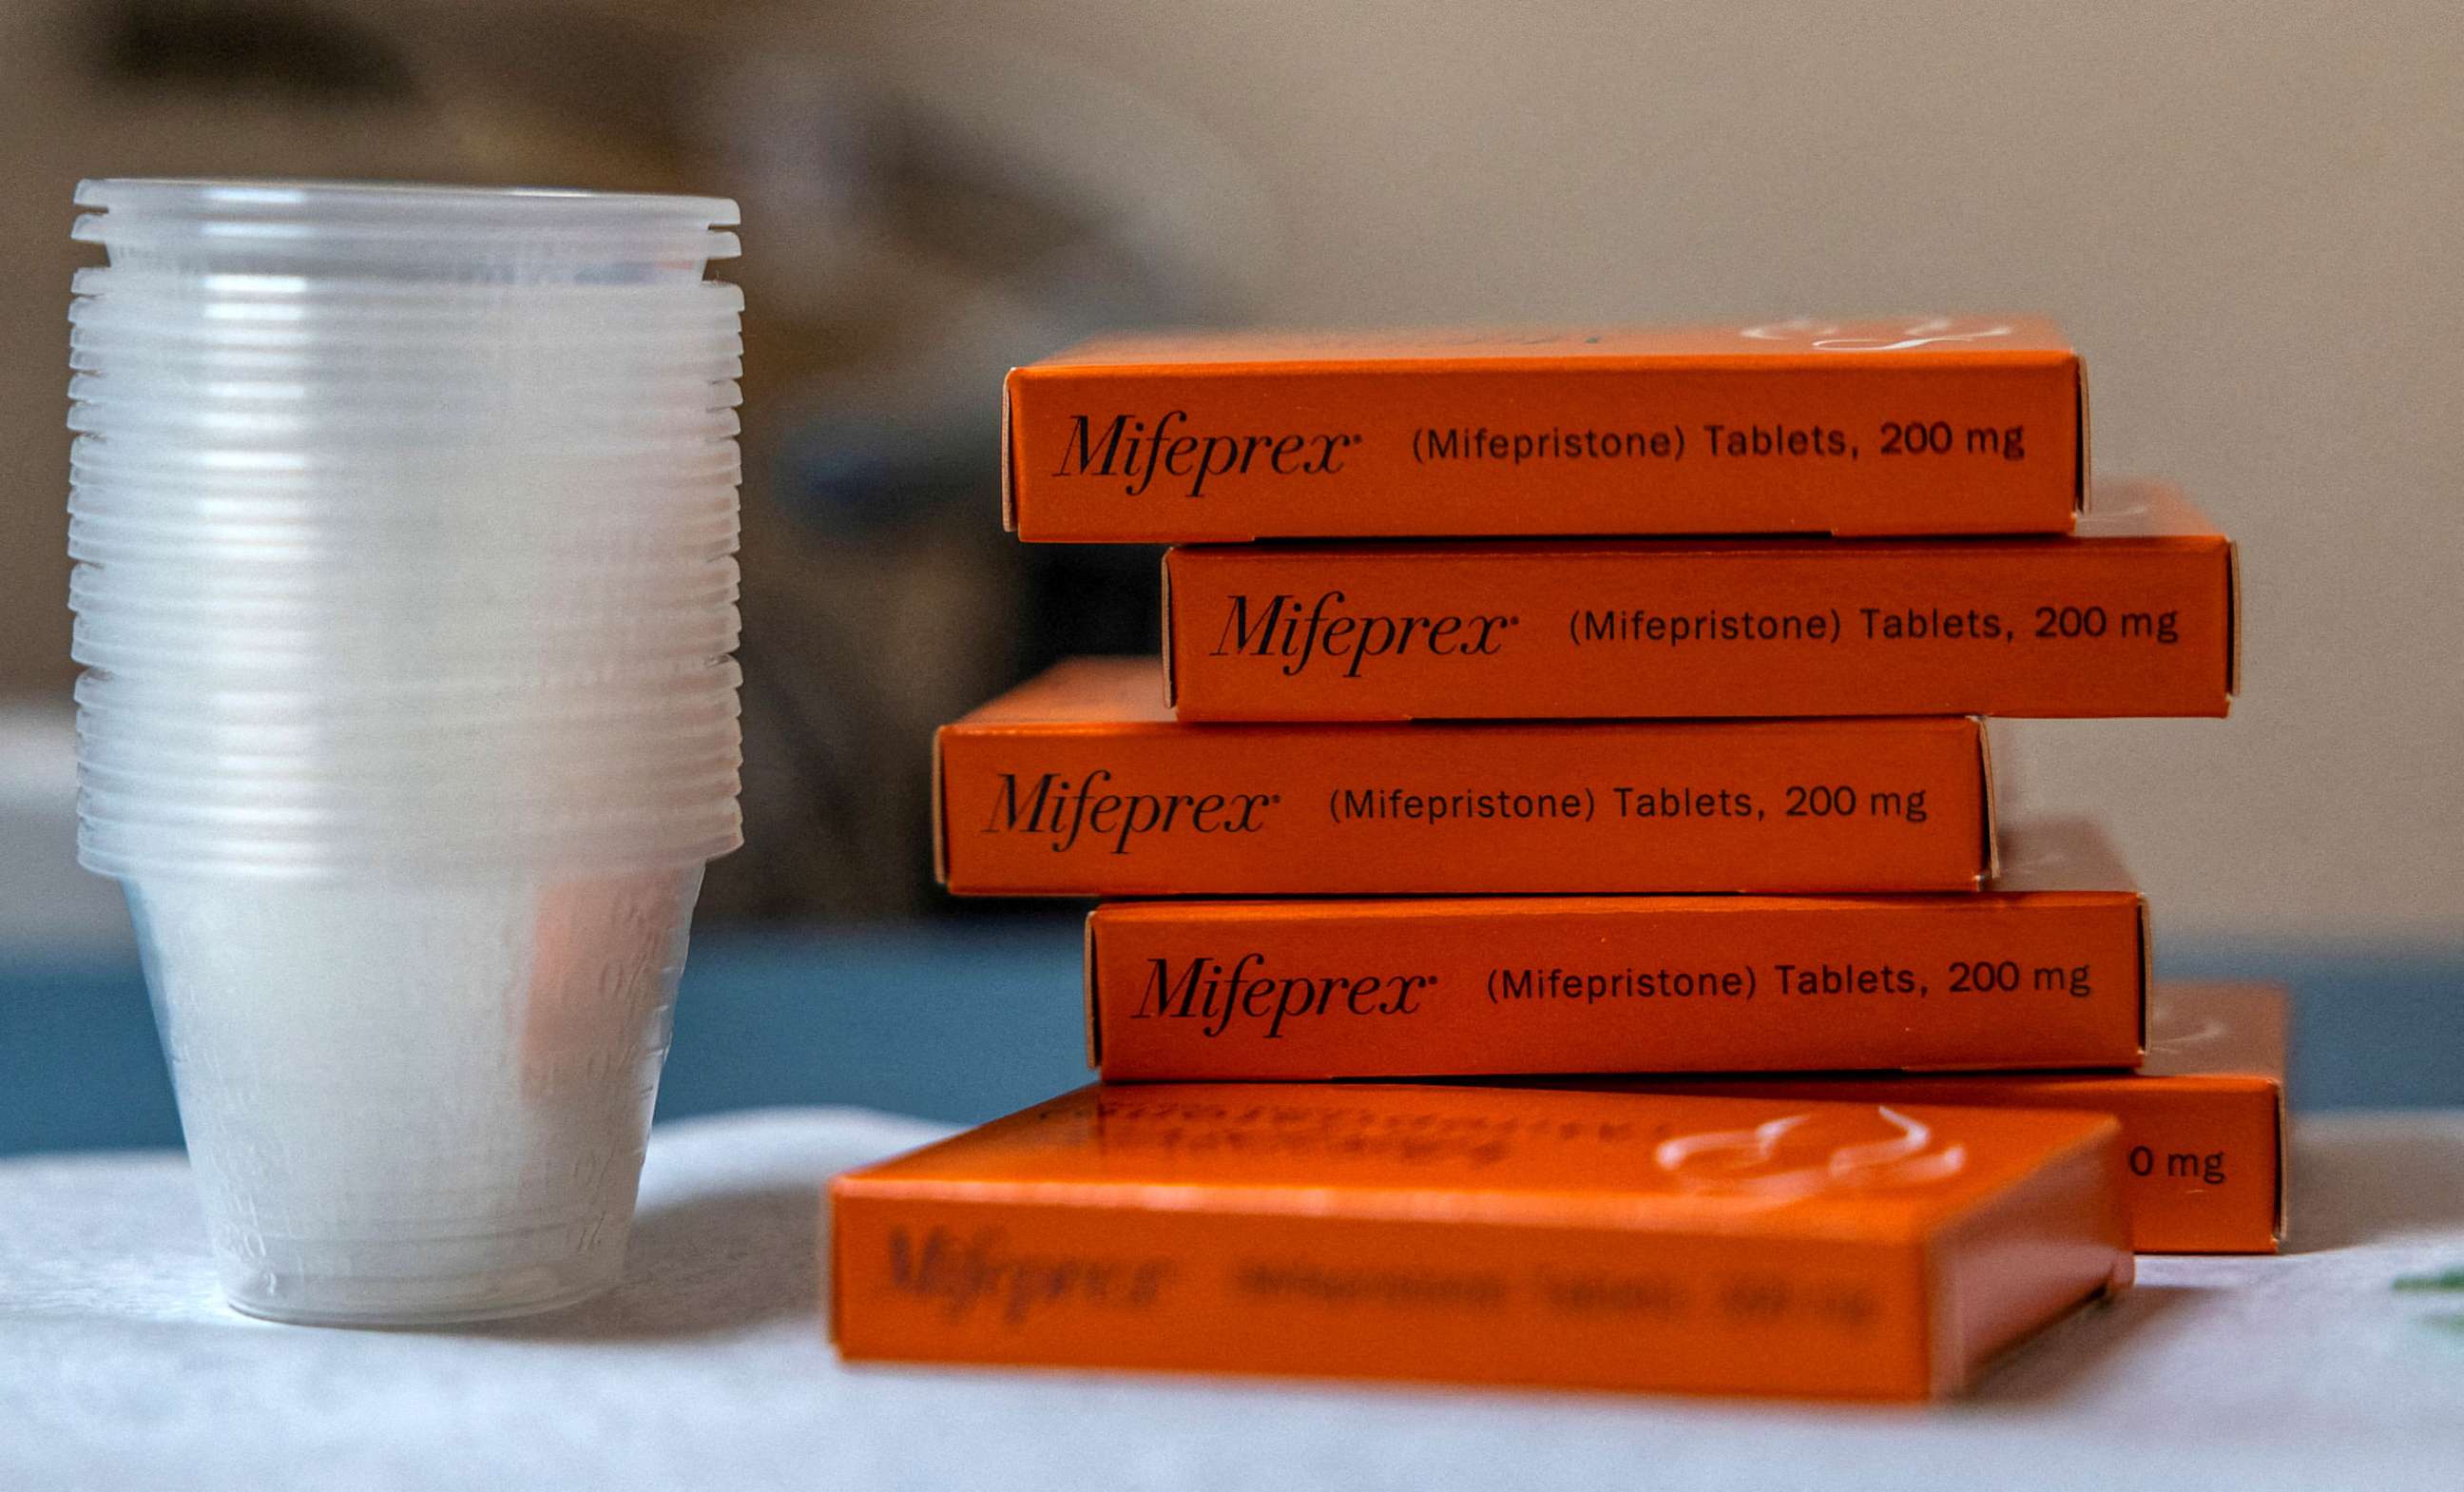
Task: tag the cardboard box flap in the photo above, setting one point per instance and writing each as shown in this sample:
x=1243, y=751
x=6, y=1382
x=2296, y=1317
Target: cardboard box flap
x=940, y=816
x=2087, y=464
x=1094, y=1013
x=1989, y=815
x=2233, y=619
x=1008, y=456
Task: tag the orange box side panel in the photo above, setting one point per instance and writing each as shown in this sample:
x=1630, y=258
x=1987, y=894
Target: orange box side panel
x=1577, y=1240
x=2203, y=1124
x=1071, y=786
x=1927, y=425
x=2015, y=977
x=2132, y=616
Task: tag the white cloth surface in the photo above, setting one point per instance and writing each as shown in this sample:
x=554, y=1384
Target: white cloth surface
x=121, y=1369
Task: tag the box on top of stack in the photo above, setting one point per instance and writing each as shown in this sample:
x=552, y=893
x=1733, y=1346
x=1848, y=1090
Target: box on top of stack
x=1924, y=424
x=1487, y=657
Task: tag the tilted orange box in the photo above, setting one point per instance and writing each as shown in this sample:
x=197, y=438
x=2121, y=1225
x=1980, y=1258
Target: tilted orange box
x=1922, y=425
x=2133, y=615
x=1080, y=784
x=2047, y=969
x=1563, y=1239
x=2203, y=1127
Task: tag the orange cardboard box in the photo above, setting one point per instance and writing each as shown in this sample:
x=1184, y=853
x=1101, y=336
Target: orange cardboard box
x=1617, y=1241
x=1079, y=783
x=2203, y=1128
x=2133, y=615
x=1921, y=425
x=2046, y=968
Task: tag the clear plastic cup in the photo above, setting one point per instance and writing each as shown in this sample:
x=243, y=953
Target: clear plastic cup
x=374, y=429
x=326, y=840
x=578, y=745
x=514, y=808
x=188, y=714
x=670, y=735
x=638, y=841
x=510, y=317
x=404, y=520
x=150, y=728
x=301, y=354
x=517, y=793
x=390, y=1140
x=514, y=588
x=271, y=655
x=260, y=548
x=343, y=702
x=181, y=294
x=652, y=391
x=414, y=232
x=614, y=454
x=623, y=463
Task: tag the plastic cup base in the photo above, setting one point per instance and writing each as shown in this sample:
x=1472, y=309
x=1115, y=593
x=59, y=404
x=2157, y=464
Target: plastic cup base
x=364, y=1308
x=409, y=1099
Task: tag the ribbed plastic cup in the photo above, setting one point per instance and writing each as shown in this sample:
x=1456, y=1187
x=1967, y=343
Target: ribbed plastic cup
x=405, y=521
x=392, y=1140
x=428, y=235
x=379, y=704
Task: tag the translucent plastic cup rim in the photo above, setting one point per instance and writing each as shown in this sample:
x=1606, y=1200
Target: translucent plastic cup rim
x=629, y=790
x=669, y=309
x=209, y=575
x=235, y=662
x=126, y=331
x=98, y=853
x=181, y=651
x=499, y=415
x=342, y=509
x=177, y=556
x=653, y=390
x=445, y=702
x=102, y=351
x=603, y=467
x=590, y=384
x=503, y=317
x=508, y=825
x=377, y=424
x=408, y=231
x=632, y=613
x=98, y=352
x=140, y=736
x=657, y=495
x=682, y=449
x=136, y=732
x=672, y=589
x=417, y=203
x=105, y=348
x=370, y=546
x=520, y=835
x=135, y=852
x=383, y=764
x=342, y=300
x=588, y=366
x=242, y=287
x=127, y=745
x=681, y=784
x=270, y=671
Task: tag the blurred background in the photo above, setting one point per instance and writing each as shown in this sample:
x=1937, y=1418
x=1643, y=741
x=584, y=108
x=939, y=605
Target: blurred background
x=2245, y=215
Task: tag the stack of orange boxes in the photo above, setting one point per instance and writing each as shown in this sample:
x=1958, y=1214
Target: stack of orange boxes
x=1551, y=728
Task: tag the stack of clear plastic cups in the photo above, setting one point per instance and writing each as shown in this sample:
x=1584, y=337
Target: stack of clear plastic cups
x=405, y=522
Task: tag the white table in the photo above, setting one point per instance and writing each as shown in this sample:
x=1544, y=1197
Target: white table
x=708, y=1369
